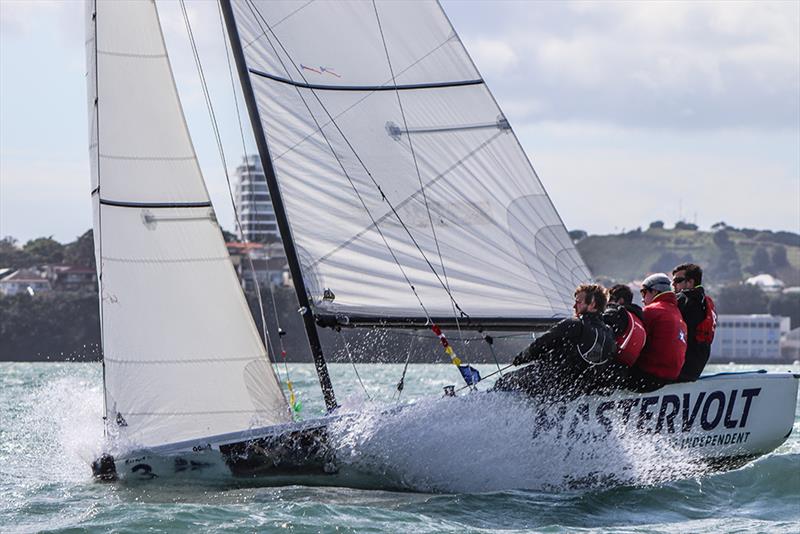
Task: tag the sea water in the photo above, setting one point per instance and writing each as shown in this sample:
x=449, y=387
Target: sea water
x=453, y=458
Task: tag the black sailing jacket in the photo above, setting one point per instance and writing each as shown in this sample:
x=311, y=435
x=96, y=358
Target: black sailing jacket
x=691, y=303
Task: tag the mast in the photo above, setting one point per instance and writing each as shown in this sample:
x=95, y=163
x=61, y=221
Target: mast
x=280, y=212
x=97, y=236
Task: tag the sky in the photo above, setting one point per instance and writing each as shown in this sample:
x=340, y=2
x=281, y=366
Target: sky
x=629, y=111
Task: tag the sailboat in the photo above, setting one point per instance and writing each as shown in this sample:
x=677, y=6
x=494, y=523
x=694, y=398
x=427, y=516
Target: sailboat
x=403, y=200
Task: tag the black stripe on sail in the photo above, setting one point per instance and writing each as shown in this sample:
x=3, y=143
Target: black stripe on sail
x=156, y=205
x=322, y=87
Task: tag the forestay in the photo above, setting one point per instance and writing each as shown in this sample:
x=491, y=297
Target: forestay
x=361, y=100
x=183, y=358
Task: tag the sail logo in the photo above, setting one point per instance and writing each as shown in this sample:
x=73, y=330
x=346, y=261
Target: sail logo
x=320, y=70
x=657, y=414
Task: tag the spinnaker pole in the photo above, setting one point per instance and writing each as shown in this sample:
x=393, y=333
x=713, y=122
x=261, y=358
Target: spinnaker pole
x=280, y=212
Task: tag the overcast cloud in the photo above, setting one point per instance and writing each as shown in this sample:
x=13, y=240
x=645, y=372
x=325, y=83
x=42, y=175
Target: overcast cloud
x=680, y=65
x=653, y=110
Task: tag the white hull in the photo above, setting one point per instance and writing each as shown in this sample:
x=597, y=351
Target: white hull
x=721, y=421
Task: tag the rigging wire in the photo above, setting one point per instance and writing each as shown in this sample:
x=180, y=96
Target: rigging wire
x=443, y=339
x=402, y=382
x=257, y=14
x=341, y=165
x=281, y=331
x=353, y=363
x=416, y=165
x=218, y=138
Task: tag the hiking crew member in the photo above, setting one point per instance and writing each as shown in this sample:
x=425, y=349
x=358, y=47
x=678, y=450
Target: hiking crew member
x=626, y=320
x=699, y=315
x=573, y=358
x=664, y=352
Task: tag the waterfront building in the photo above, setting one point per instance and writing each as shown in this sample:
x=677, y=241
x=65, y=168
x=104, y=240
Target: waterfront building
x=253, y=202
x=749, y=338
x=268, y=262
x=766, y=282
x=790, y=345
x=23, y=281
x=71, y=277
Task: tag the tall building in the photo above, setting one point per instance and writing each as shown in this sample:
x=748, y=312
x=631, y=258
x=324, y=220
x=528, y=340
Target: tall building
x=253, y=202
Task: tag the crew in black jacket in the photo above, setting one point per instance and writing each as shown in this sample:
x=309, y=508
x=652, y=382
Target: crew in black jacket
x=572, y=358
x=620, y=299
x=694, y=306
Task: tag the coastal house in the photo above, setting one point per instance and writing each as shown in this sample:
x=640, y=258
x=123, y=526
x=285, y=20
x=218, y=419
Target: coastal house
x=71, y=277
x=24, y=281
x=267, y=261
x=766, y=282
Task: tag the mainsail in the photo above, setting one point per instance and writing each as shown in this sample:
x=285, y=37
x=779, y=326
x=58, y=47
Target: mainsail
x=182, y=355
x=407, y=192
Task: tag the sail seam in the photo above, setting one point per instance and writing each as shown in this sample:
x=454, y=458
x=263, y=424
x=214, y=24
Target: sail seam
x=263, y=34
x=130, y=54
x=149, y=261
x=148, y=158
x=209, y=412
x=406, y=87
x=156, y=205
x=123, y=361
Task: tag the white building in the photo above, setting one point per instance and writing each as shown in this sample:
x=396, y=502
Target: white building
x=253, y=202
x=748, y=338
x=23, y=281
x=766, y=282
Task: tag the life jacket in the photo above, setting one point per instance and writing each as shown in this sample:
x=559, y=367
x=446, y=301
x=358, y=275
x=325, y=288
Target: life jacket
x=704, y=332
x=631, y=341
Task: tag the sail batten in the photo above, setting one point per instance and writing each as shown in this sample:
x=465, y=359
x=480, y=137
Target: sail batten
x=182, y=356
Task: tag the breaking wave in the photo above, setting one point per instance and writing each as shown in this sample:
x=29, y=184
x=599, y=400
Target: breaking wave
x=493, y=441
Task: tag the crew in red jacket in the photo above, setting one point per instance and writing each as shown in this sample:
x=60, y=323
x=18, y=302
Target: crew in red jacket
x=663, y=355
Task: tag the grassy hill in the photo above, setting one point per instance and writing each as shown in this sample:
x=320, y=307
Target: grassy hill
x=726, y=255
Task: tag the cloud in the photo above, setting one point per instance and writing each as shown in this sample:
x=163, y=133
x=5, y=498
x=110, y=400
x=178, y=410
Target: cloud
x=695, y=65
x=495, y=56
x=20, y=18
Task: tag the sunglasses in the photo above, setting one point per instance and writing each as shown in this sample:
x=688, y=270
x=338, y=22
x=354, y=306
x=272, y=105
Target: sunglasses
x=678, y=280
x=644, y=291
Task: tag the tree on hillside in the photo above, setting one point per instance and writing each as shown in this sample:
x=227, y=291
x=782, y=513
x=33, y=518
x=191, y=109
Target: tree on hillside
x=761, y=262
x=721, y=225
x=44, y=250
x=683, y=225
x=750, y=232
x=656, y=225
x=787, y=305
x=779, y=259
x=81, y=251
x=577, y=235
x=741, y=298
x=11, y=255
x=727, y=267
x=786, y=238
x=666, y=262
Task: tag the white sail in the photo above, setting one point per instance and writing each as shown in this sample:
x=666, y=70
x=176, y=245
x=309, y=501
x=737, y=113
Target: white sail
x=183, y=358
x=400, y=104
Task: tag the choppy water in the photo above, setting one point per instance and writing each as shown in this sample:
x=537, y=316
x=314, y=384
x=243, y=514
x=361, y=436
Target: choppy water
x=50, y=429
